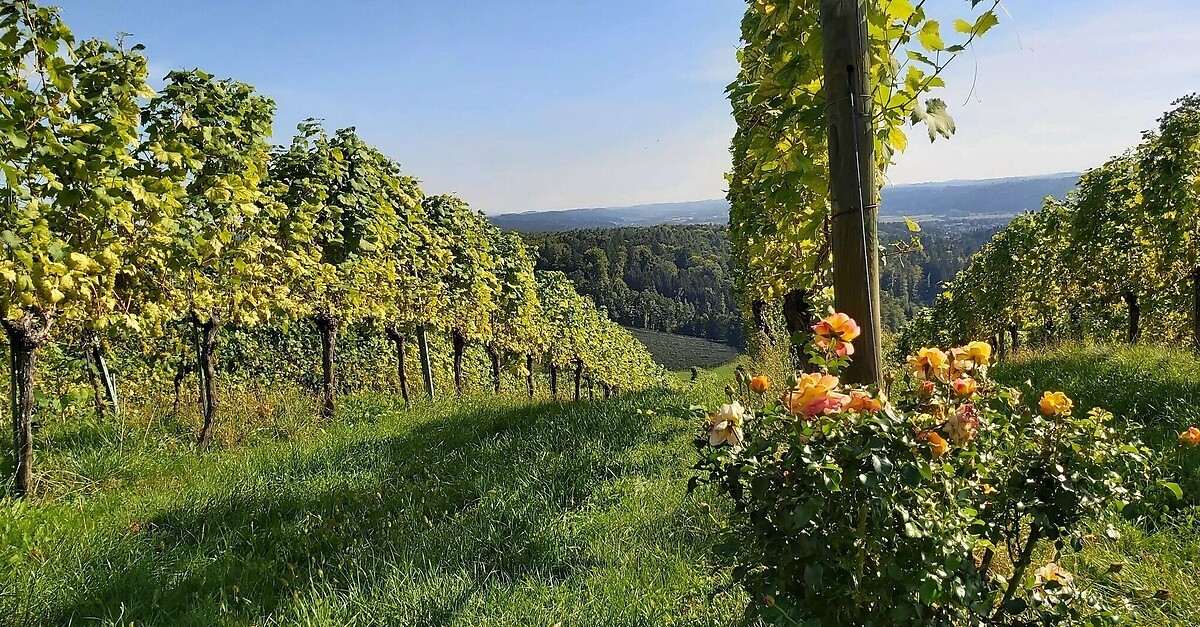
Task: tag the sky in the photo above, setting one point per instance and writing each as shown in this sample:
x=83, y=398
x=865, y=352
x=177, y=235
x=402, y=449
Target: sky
x=520, y=105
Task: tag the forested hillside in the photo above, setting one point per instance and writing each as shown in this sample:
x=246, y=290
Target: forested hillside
x=677, y=279
x=663, y=278
x=912, y=276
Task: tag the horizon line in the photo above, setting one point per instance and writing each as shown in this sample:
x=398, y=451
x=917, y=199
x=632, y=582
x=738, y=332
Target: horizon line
x=722, y=199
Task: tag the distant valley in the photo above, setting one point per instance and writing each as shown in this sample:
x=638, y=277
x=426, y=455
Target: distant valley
x=991, y=200
x=667, y=267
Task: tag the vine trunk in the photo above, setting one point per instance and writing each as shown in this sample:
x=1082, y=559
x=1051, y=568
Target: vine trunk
x=206, y=337
x=460, y=343
x=327, y=326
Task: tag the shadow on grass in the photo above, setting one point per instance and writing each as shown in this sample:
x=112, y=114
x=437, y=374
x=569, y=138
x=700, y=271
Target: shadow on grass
x=482, y=498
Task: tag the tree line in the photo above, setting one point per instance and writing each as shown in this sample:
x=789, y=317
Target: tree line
x=671, y=278
x=129, y=211
x=679, y=279
x=1121, y=249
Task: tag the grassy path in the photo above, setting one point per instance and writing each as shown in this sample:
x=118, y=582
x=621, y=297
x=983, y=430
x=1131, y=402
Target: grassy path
x=487, y=512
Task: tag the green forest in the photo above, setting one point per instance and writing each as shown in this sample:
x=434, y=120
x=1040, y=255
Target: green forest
x=677, y=279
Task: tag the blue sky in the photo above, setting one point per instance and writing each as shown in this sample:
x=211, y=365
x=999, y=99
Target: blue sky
x=537, y=104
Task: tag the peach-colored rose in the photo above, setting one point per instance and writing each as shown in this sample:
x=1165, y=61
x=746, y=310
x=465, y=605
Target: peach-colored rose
x=964, y=386
x=1191, y=437
x=1053, y=573
x=927, y=388
x=963, y=425
x=960, y=363
x=815, y=394
x=837, y=332
x=862, y=401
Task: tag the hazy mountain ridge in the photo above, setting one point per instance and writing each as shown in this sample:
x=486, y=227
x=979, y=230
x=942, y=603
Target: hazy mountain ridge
x=694, y=212
x=950, y=200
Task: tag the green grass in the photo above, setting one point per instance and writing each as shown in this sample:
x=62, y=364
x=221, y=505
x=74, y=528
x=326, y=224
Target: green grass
x=680, y=352
x=1158, y=389
x=488, y=512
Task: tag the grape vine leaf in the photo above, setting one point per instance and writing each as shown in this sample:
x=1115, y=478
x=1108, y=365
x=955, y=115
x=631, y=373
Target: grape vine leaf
x=936, y=117
x=930, y=36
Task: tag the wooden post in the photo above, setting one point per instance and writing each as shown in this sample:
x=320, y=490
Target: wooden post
x=426, y=366
x=854, y=195
x=328, y=327
x=110, y=385
x=1196, y=308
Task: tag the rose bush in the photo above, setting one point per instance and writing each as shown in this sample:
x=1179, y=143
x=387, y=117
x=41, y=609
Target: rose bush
x=948, y=504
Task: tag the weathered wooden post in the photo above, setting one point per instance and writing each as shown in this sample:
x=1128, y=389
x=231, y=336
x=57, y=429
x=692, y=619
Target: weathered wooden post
x=426, y=366
x=852, y=180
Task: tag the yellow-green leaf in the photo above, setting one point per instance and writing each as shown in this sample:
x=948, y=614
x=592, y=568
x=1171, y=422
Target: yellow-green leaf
x=930, y=36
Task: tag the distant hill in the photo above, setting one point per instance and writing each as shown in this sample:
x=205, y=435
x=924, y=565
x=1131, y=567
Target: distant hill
x=974, y=199
x=677, y=352
x=695, y=212
x=953, y=200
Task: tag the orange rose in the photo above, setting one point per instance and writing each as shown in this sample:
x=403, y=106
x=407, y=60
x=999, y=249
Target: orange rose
x=814, y=394
x=1191, y=437
x=1055, y=404
x=861, y=401
x=927, y=388
x=929, y=363
x=837, y=332
x=964, y=386
x=937, y=444
x=760, y=384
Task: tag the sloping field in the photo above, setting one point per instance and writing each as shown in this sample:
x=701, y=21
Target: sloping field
x=488, y=512
x=679, y=352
